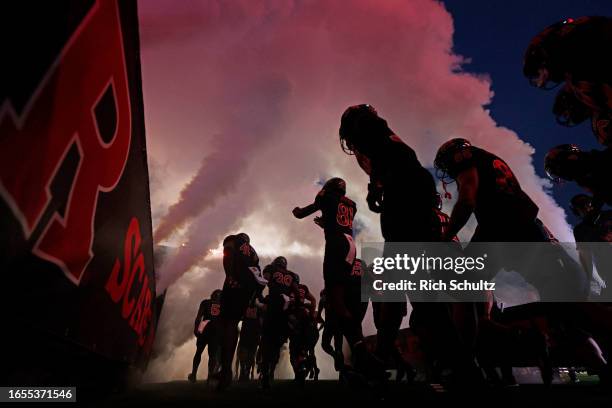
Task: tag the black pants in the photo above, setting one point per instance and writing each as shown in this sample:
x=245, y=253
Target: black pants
x=275, y=332
x=210, y=337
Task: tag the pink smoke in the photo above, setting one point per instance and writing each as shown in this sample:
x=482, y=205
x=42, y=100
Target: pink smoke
x=243, y=100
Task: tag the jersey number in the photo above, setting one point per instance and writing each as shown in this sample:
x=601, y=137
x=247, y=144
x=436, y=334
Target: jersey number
x=215, y=309
x=344, y=218
x=283, y=279
x=504, y=178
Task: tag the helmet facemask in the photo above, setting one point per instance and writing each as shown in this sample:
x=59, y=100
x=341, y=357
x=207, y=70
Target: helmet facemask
x=568, y=109
x=582, y=205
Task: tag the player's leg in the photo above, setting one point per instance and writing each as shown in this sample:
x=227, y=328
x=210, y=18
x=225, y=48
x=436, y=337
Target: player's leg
x=229, y=334
x=326, y=339
x=197, y=357
x=214, y=350
x=233, y=305
x=249, y=360
x=390, y=319
x=271, y=343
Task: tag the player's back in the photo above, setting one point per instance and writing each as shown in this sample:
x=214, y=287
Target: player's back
x=500, y=198
x=338, y=212
x=282, y=282
x=409, y=193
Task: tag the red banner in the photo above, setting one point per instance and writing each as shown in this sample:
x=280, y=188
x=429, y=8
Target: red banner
x=75, y=219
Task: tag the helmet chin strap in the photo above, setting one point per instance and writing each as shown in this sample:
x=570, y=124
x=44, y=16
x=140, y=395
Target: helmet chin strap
x=447, y=194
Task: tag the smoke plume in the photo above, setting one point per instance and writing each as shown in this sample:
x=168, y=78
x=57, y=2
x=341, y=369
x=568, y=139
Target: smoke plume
x=243, y=100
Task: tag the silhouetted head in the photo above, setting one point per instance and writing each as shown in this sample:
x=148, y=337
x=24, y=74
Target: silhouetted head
x=563, y=162
x=216, y=295
x=568, y=109
x=363, y=130
x=543, y=64
x=335, y=184
x=280, y=261
x=582, y=205
x=447, y=157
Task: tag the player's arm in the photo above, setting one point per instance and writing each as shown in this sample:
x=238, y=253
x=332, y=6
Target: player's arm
x=199, y=315
x=312, y=305
x=467, y=183
x=300, y=213
x=319, y=318
x=375, y=195
x=294, y=292
x=229, y=255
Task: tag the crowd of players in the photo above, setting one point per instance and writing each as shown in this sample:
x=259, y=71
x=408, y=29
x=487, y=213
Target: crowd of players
x=575, y=52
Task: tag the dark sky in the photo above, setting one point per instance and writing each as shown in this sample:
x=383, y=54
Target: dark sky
x=494, y=34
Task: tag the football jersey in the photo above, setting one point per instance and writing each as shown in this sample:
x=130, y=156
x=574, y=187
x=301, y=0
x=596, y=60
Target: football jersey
x=500, y=199
x=357, y=272
x=210, y=309
x=596, y=181
x=251, y=313
x=338, y=212
x=409, y=193
x=282, y=282
x=245, y=266
x=597, y=230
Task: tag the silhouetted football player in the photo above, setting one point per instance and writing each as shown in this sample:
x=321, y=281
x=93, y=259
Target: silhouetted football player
x=488, y=189
x=590, y=170
x=250, y=334
x=303, y=334
x=282, y=287
x=570, y=111
x=400, y=189
x=593, y=235
x=243, y=280
x=574, y=51
x=206, y=330
x=338, y=212
x=331, y=332
x=579, y=53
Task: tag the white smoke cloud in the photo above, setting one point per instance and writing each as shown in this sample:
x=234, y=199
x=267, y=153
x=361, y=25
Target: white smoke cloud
x=243, y=100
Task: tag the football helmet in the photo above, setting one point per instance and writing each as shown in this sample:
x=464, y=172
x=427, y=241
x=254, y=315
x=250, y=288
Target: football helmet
x=581, y=205
x=447, y=157
x=244, y=237
x=543, y=61
x=335, y=184
x=216, y=294
x=560, y=163
x=280, y=261
x=568, y=109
